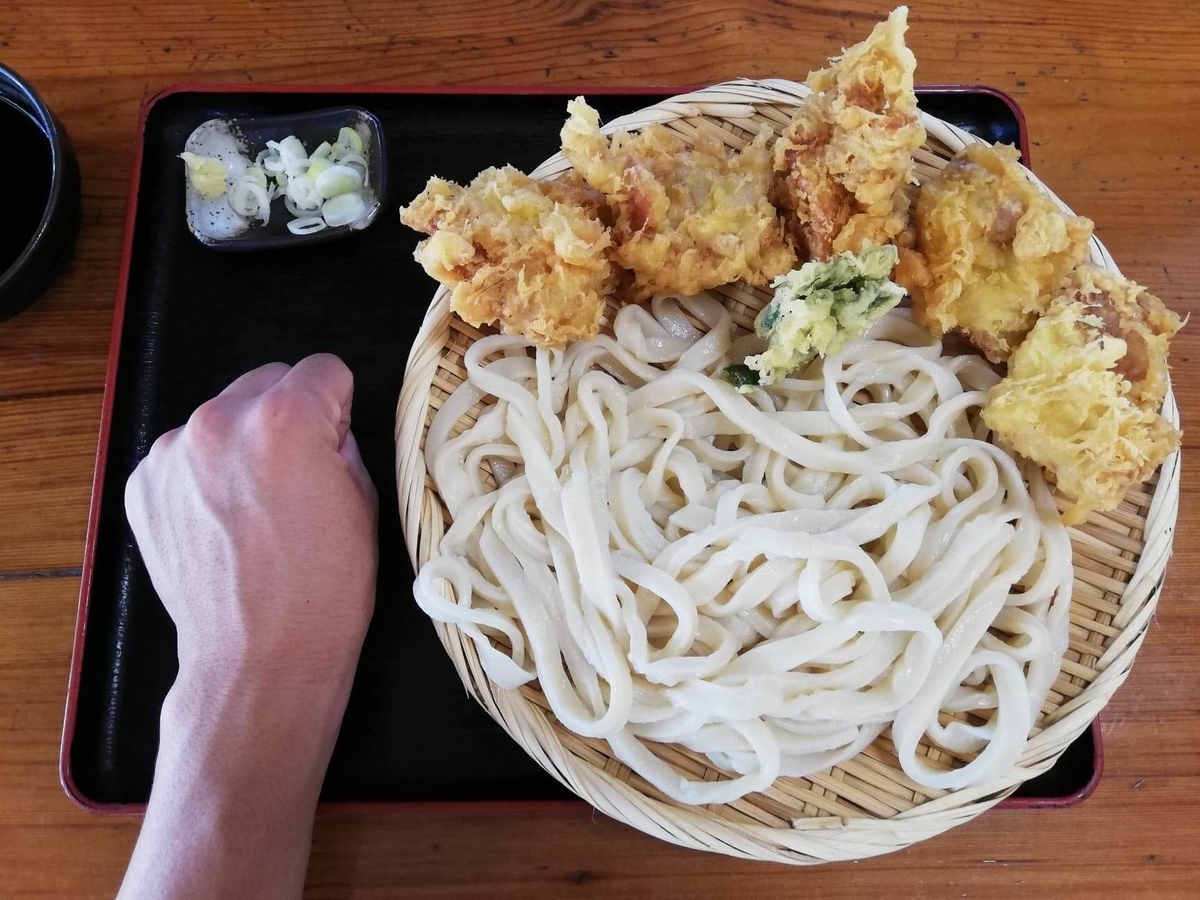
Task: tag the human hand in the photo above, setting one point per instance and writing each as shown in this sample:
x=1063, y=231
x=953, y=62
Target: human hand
x=256, y=521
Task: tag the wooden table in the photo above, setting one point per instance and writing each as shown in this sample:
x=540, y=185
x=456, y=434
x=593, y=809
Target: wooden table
x=1110, y=88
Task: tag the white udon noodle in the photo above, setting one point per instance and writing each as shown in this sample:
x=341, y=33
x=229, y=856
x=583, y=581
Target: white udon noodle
x=770, y=580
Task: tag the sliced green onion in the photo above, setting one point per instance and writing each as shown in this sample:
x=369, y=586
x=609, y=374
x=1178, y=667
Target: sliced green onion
x=343, y=209
x=255, y=174
x=337, y=180
x=316, y=166
x=330, y=180
x=350, y=139
x=306, y=225
x=249, y=198
x=303, y=193
x=355, y=160
x=292, y=153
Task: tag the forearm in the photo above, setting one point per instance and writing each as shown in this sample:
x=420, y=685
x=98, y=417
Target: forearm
x=256, y=521
x=236, y=784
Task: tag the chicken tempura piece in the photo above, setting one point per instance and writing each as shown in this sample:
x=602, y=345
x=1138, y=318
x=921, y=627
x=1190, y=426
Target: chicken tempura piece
x=1066, y=405
x=992, y=250
x=530, y=256
x=843, y=162
x=1128, y=311
x=685, y=219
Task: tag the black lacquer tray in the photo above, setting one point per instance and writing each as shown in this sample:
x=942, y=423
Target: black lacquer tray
x=188, y=320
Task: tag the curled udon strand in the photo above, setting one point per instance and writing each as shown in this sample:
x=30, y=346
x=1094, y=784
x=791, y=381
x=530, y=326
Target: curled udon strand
x=771, y=579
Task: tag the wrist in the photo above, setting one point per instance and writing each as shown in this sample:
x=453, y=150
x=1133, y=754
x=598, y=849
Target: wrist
x=239, y=772
x=240, y=734
x=287, y=679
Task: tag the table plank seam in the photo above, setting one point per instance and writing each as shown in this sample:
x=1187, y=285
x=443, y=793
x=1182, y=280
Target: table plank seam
x=66, y=572
x=50, y=395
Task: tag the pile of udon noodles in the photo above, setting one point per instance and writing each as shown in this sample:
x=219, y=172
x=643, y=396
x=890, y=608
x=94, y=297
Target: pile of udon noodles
x=772, y=579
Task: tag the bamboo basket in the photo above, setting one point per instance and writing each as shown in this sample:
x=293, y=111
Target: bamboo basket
x=867, y=806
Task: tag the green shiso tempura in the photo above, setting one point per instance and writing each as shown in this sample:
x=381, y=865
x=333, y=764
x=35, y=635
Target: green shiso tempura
x=816, y=310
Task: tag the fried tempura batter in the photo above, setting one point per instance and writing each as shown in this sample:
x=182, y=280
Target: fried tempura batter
x=531, y=256
x=1128, y=311
x=1067, y=405
x=845, y=159
x=994, y=250
x=685, y=219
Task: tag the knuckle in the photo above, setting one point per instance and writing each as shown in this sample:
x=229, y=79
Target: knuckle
x=273, y=368
x=331, y=363
x=275, y=415
x=158, y=449
x=331, y=370
x=277, y=406
x=209, y=420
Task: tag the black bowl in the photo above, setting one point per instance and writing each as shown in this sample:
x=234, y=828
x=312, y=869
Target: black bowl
x=54, y=238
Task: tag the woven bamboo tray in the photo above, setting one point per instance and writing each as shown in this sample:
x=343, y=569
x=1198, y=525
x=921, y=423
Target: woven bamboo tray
x=866, y=806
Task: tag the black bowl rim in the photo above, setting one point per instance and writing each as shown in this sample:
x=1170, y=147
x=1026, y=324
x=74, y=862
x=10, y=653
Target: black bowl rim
x=50, y=125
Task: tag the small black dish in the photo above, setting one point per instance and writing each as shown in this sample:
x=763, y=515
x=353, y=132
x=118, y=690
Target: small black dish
x=252, y=134
x=37, y=233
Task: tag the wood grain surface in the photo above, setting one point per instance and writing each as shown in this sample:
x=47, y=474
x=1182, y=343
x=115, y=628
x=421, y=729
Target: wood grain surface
x=1111, y=90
